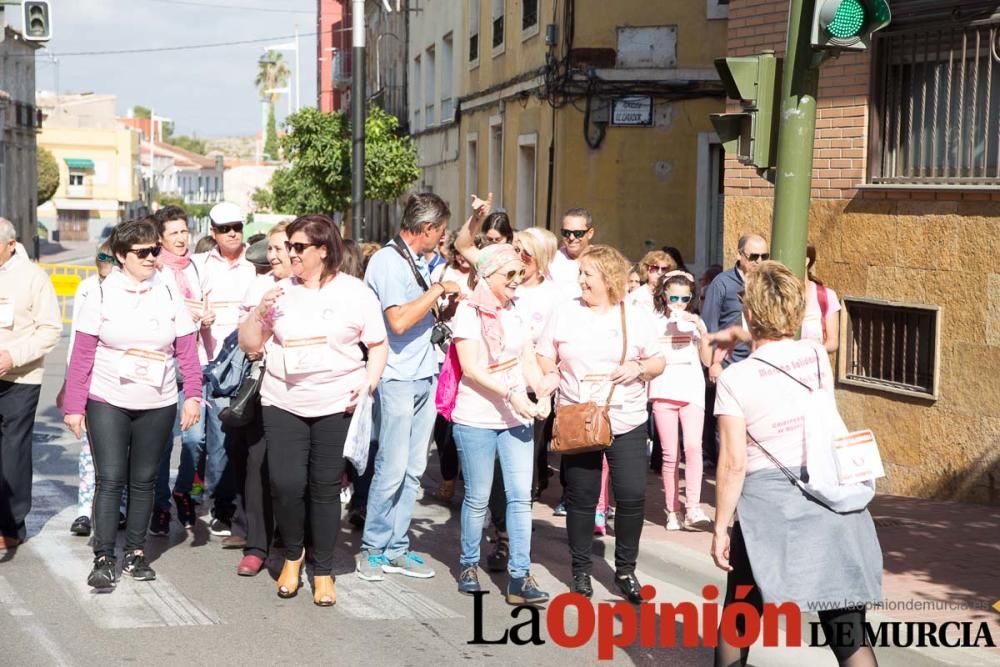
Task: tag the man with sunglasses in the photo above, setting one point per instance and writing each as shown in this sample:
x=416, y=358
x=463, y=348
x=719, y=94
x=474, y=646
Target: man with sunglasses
x=723, y=308
x=577, y=232
x=30, y=327
x=225, y=277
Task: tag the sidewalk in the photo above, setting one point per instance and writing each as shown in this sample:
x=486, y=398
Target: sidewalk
x=67, y=252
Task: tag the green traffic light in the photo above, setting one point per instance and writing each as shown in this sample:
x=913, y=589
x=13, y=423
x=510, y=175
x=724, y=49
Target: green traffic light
x=848, y=19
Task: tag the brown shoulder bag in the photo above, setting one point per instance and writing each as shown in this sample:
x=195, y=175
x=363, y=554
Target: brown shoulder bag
x=586, y=427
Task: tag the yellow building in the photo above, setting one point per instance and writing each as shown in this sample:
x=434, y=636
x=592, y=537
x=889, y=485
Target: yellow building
x=98, y=169
x=605, y=109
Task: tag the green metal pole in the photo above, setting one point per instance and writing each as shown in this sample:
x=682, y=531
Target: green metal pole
x=796, y=133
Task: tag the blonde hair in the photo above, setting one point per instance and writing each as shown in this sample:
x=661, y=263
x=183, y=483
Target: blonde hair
x=774, y=299
x=612, y=266
x=540, y=244
x=655, y=257
x=278, y=228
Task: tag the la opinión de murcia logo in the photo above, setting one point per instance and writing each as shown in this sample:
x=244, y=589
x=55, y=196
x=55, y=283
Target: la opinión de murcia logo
x=653, y=625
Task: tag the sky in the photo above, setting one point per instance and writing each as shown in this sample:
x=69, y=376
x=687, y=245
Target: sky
x=208, y=92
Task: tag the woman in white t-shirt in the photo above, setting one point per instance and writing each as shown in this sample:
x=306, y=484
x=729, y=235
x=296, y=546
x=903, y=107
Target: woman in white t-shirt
x=493, y=415
x=785, y=546
x=821, y=322
x=311, y=325
x=678, y=395
x=133, y=334
x=583, y=343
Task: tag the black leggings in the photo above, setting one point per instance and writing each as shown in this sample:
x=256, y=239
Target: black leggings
x=305, y=457
x=854, y=652
x=127, y=446
x=628, y=462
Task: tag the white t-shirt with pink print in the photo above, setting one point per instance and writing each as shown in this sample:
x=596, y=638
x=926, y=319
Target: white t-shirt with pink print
x=683, y=379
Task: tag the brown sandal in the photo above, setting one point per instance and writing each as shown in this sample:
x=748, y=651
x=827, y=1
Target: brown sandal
x=289, y=580
x=324, y=591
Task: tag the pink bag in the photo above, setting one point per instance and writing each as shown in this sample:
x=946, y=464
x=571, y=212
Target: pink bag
x=447, y=386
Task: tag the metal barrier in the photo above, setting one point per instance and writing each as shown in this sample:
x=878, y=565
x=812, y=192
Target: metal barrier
x=65, y=279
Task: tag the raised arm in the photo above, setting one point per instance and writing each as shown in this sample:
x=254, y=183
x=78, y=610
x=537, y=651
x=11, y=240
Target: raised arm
x=465, y=242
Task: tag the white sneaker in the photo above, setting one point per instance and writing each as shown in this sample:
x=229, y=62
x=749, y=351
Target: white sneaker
x=696, y=518
x=672, y=522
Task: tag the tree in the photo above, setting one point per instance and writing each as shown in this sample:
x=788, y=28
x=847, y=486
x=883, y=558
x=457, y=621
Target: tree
x=48, y=175
x=318, y=147
x=272, y=74
x=271, y=136
x=139, y=111
x=193, y=144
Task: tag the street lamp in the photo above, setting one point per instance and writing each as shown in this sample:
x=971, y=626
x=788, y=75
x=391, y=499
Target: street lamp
x=291, y=46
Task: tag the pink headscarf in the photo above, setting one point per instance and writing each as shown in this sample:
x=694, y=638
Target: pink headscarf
x=491, y=258
x=177, y=264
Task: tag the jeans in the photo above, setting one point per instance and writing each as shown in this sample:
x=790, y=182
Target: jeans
x=192, y=441
x=478, y=449
x=17, y=419
x=220, y=440
x=628, y=462
x=127, y=446
x=406, y=420
x=306, y=462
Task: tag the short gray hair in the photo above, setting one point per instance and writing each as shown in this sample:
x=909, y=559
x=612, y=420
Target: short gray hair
x=742, y=244
x=7, y=231
x=424, y=208
x=580, y=213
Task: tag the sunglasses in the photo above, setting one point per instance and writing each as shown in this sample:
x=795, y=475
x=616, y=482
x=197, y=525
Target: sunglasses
x=757, y=256
x=575, y=233
x=299, y=248
x=519, y=274
x=143, y=253
x=673, y=298
x=104, y=257
x=225, y=229
x=655, y=267
x=525, y=255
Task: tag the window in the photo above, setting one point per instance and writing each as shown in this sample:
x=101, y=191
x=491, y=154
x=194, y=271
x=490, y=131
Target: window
x=529, y=15
x=429, y=73
x=497, y=37
x=526, y=181
x=717, y=9
x=495, y=184
x=936, y=106
x=474, y=31
x=447, y=67
x=76, y=180
x=471, y=168
x=891, y=346
x=417, y=90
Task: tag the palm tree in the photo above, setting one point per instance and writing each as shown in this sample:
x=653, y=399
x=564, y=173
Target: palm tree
x=272, y=74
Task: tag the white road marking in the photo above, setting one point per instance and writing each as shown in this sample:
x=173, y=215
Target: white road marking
x=15, y=606
x=388, y=599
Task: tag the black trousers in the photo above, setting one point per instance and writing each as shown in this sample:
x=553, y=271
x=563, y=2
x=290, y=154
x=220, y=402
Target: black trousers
x=540, y=474
x=628, y=464
x=18, y=403
x=306, y=460
x=447, y=451
x=127, y=446
x=254, y=518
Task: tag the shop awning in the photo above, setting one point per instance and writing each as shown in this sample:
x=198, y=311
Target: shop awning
x=79, y=163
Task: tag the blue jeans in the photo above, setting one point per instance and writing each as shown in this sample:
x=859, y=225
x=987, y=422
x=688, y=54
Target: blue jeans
x=220, y=478
x=192, y=443
x=406, y=419
x=478, y=448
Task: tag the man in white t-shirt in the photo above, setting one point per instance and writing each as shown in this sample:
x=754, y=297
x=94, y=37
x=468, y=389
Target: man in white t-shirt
x=577, y=232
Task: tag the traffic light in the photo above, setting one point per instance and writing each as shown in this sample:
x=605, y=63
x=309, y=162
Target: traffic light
x=847, y=24
x=750, y=135
x=37, y=21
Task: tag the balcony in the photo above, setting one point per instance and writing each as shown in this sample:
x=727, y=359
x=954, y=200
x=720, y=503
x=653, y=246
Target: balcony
x=84, y=191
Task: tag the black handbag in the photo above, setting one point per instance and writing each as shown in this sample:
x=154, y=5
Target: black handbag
x=244, y=403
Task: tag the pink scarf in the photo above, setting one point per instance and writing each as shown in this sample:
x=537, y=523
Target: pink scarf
x=177, y=263
x=491, y=258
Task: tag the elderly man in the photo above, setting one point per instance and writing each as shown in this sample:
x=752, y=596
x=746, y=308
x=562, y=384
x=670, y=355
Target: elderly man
x=30, y=326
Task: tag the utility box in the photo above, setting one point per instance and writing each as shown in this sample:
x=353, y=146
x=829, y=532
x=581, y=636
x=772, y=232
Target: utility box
x=751, y=134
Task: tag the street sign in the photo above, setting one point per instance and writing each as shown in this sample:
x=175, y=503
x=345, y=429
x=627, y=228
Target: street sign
x=632, y=111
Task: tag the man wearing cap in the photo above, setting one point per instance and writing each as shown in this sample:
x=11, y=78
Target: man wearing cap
x=225, y=276
x=30, y=326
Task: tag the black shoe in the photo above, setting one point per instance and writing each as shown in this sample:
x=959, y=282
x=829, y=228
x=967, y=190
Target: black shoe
x=630, y=587
x=185, y=509
x=220, y=528
x=357, y=518
x=159, y=524
x=122, y=521
x=581, y=585
x=103, y=574
x=136, y=566
x=497, y=561
x=81, y=526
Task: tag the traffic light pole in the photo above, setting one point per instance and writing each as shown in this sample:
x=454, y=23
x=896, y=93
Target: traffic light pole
x=796, y=134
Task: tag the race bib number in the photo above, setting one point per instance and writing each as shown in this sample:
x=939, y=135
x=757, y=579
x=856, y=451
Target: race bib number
x=144, y=367
x=227, y=313
x=857, y=457
x=510, y=374
x=307, y=355
x=6, y=312
x=597, y=387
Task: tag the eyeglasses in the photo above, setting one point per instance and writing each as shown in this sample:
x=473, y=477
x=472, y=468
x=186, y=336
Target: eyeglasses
x=299, y=248
x=143, y=253
x=673, y=298
x=575, y=233
x=518, y=273
x=104, y=257
x=657, y=268
x=225, y=229
x=757, y=256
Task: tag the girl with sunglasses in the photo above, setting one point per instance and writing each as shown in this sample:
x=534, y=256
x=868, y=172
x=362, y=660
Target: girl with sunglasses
x=678, y=395
x=133, y=334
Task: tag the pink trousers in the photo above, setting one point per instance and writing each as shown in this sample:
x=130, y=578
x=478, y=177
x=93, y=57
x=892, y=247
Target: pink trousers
x=668, y=415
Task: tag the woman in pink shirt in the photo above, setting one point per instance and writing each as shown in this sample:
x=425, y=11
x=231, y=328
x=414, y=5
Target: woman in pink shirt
x=311, y=325
x=132, y=334
x=583, y=342
x=821, y=322
x=493, y=416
